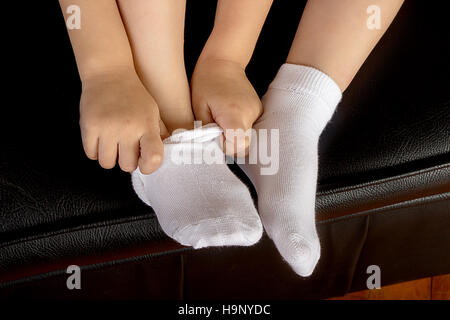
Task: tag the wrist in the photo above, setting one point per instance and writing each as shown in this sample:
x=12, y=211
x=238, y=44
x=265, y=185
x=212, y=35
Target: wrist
x=208, y=61
x=225, y=51
x=96, y=69
x=110, y=73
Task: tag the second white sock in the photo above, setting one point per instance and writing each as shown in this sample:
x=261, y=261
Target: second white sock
x=298, y=104
x=199, y=202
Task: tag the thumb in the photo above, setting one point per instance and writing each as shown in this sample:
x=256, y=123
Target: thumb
x=202, y=112
x=237, y=135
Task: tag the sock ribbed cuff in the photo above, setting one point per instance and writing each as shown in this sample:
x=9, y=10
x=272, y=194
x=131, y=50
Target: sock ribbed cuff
x=205, y=133
x=298, y=78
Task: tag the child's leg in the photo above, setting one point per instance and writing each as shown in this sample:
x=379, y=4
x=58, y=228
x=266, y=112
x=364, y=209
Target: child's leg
x=333, y=38
x=156, y=32
x=197, y=204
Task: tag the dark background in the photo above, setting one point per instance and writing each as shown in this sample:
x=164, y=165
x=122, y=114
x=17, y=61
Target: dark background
x=40, y=141
x=393, y=119
x=41, y=86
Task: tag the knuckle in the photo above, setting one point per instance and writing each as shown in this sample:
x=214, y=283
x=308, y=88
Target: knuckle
x=257, y=109
x=256, y=106
x=234, y=106
x=90, y=122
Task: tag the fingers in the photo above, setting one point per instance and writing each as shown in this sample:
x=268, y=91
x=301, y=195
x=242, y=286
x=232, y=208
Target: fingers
x=128, y=155
x=163, y=131
x=237, y=134
x=151, y=152
x=107, y=152
x=147, y=153
x=90, y=144
x=202, y=112
x=236, y=121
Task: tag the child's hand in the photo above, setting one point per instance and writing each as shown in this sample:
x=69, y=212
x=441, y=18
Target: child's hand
x=120, y=119
x=221, y=93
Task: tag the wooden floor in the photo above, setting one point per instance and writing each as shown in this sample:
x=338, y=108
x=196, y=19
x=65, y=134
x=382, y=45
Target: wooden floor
x=435, y=288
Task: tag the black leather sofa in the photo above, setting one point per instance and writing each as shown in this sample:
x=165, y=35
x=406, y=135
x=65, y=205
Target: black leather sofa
x=383, y=194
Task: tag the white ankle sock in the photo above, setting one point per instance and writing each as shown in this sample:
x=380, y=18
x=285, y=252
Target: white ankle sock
x=299, y=103
x=199, y=204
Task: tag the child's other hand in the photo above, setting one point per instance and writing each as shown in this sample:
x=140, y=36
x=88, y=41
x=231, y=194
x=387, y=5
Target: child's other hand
x=222, y=93
x=119, y=118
